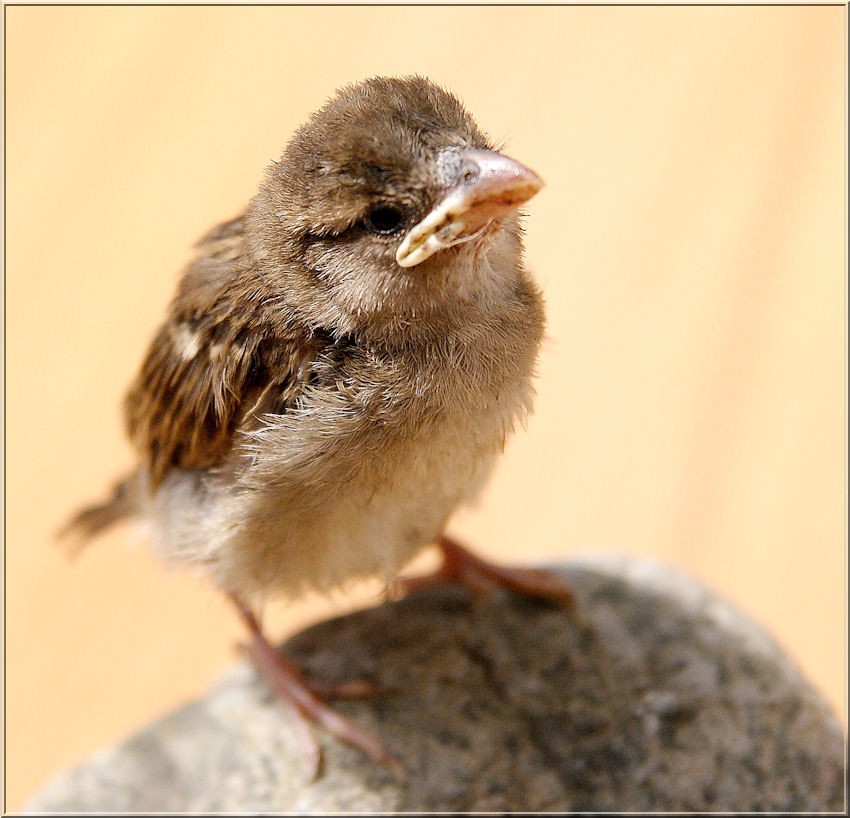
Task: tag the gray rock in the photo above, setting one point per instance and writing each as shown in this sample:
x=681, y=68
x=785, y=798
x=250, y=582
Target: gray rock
x=658, y=696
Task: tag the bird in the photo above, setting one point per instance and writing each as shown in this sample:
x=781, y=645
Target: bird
x=339, y=370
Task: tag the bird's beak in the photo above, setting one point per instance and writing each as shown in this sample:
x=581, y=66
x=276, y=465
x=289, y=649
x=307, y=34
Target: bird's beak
x=486, y=185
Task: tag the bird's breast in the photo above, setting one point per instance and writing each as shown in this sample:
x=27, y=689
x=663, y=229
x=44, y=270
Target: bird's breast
x=360, y=474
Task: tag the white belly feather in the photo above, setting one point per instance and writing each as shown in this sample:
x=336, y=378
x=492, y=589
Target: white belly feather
x=373, y=510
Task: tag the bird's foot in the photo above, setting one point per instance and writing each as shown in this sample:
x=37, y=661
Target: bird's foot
x=353, y=690
x=463, y=567
x=305, y=698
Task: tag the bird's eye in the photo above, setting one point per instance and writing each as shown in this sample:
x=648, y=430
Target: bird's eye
x=385, y=219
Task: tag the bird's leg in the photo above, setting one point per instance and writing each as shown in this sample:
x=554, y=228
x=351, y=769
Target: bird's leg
x=461, y=566
x=288, y=683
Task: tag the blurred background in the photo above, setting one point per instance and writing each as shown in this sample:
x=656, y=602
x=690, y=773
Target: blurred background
x=690, y=243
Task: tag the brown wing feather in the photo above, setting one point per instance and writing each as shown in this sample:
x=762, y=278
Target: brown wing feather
x=210, y=363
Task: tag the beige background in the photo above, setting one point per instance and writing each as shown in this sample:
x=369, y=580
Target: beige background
x=690, y=244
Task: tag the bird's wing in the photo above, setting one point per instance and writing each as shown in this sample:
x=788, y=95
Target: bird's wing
x=212, y=365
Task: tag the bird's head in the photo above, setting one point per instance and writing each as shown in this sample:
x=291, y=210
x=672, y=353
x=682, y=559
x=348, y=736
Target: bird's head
x=390, y=201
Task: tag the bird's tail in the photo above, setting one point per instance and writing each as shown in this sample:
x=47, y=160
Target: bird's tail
x=90, y=521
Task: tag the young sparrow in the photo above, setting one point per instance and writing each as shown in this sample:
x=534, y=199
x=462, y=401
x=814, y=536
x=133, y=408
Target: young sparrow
x=340, y=366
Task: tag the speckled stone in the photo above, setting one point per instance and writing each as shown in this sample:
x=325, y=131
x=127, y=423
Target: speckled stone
x=659, y=695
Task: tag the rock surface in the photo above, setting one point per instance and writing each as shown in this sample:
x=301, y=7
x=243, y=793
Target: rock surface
x=658, y=696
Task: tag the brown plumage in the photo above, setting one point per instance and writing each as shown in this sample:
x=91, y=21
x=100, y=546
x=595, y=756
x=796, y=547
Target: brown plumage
x=220, y=359
x=341, y=364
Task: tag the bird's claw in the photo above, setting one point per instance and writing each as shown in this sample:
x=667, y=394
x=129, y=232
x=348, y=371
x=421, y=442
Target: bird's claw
x=481, y=577
x=305, y=699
